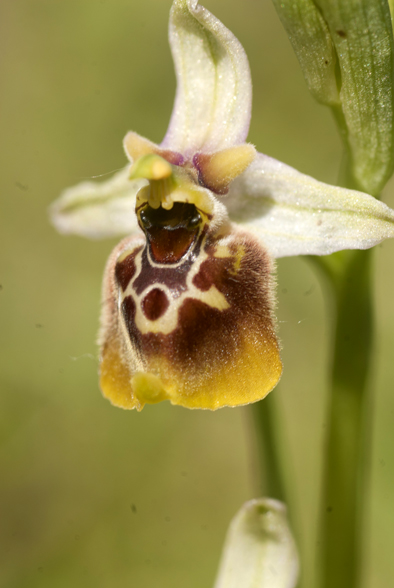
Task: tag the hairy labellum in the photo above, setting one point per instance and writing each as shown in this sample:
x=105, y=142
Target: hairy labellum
x=187, y=314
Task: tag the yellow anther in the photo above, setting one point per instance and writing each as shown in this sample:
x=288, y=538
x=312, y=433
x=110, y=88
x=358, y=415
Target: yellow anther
x=168, y=184
x=151, y=167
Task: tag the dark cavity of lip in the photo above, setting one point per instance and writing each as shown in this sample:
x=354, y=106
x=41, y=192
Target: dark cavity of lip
x=170, y=233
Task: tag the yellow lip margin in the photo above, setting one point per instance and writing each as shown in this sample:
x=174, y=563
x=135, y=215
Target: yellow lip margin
x=252, y=374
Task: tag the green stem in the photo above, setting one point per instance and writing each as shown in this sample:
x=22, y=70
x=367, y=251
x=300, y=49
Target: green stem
x=271, y=480
x=342, y=486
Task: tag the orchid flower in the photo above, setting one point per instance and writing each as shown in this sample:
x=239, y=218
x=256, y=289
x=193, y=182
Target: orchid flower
x=188, y=300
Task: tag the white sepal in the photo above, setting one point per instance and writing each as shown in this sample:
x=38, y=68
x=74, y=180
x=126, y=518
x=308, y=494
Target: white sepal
x=259, y=551
x=294, y=214
x=98, y=209
x=214, y=91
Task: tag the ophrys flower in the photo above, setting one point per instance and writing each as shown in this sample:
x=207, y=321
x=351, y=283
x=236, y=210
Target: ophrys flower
x=187, y=298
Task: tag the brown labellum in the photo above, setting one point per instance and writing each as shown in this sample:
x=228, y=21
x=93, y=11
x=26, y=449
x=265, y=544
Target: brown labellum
x=188, y=315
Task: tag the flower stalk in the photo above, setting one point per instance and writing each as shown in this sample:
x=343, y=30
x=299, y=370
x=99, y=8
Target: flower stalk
x=270, y=469
x=344, y=482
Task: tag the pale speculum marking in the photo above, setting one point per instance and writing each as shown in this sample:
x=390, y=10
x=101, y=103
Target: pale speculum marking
x=159, y=278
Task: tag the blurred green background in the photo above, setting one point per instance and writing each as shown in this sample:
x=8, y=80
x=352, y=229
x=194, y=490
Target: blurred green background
x=91, y=495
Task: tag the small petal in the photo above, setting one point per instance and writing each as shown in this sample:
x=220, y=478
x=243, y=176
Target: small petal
x=136, y=146
x=217, y=170
x=98, y=209
x=214, y=92
x=259, y=551
x=294, y=214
